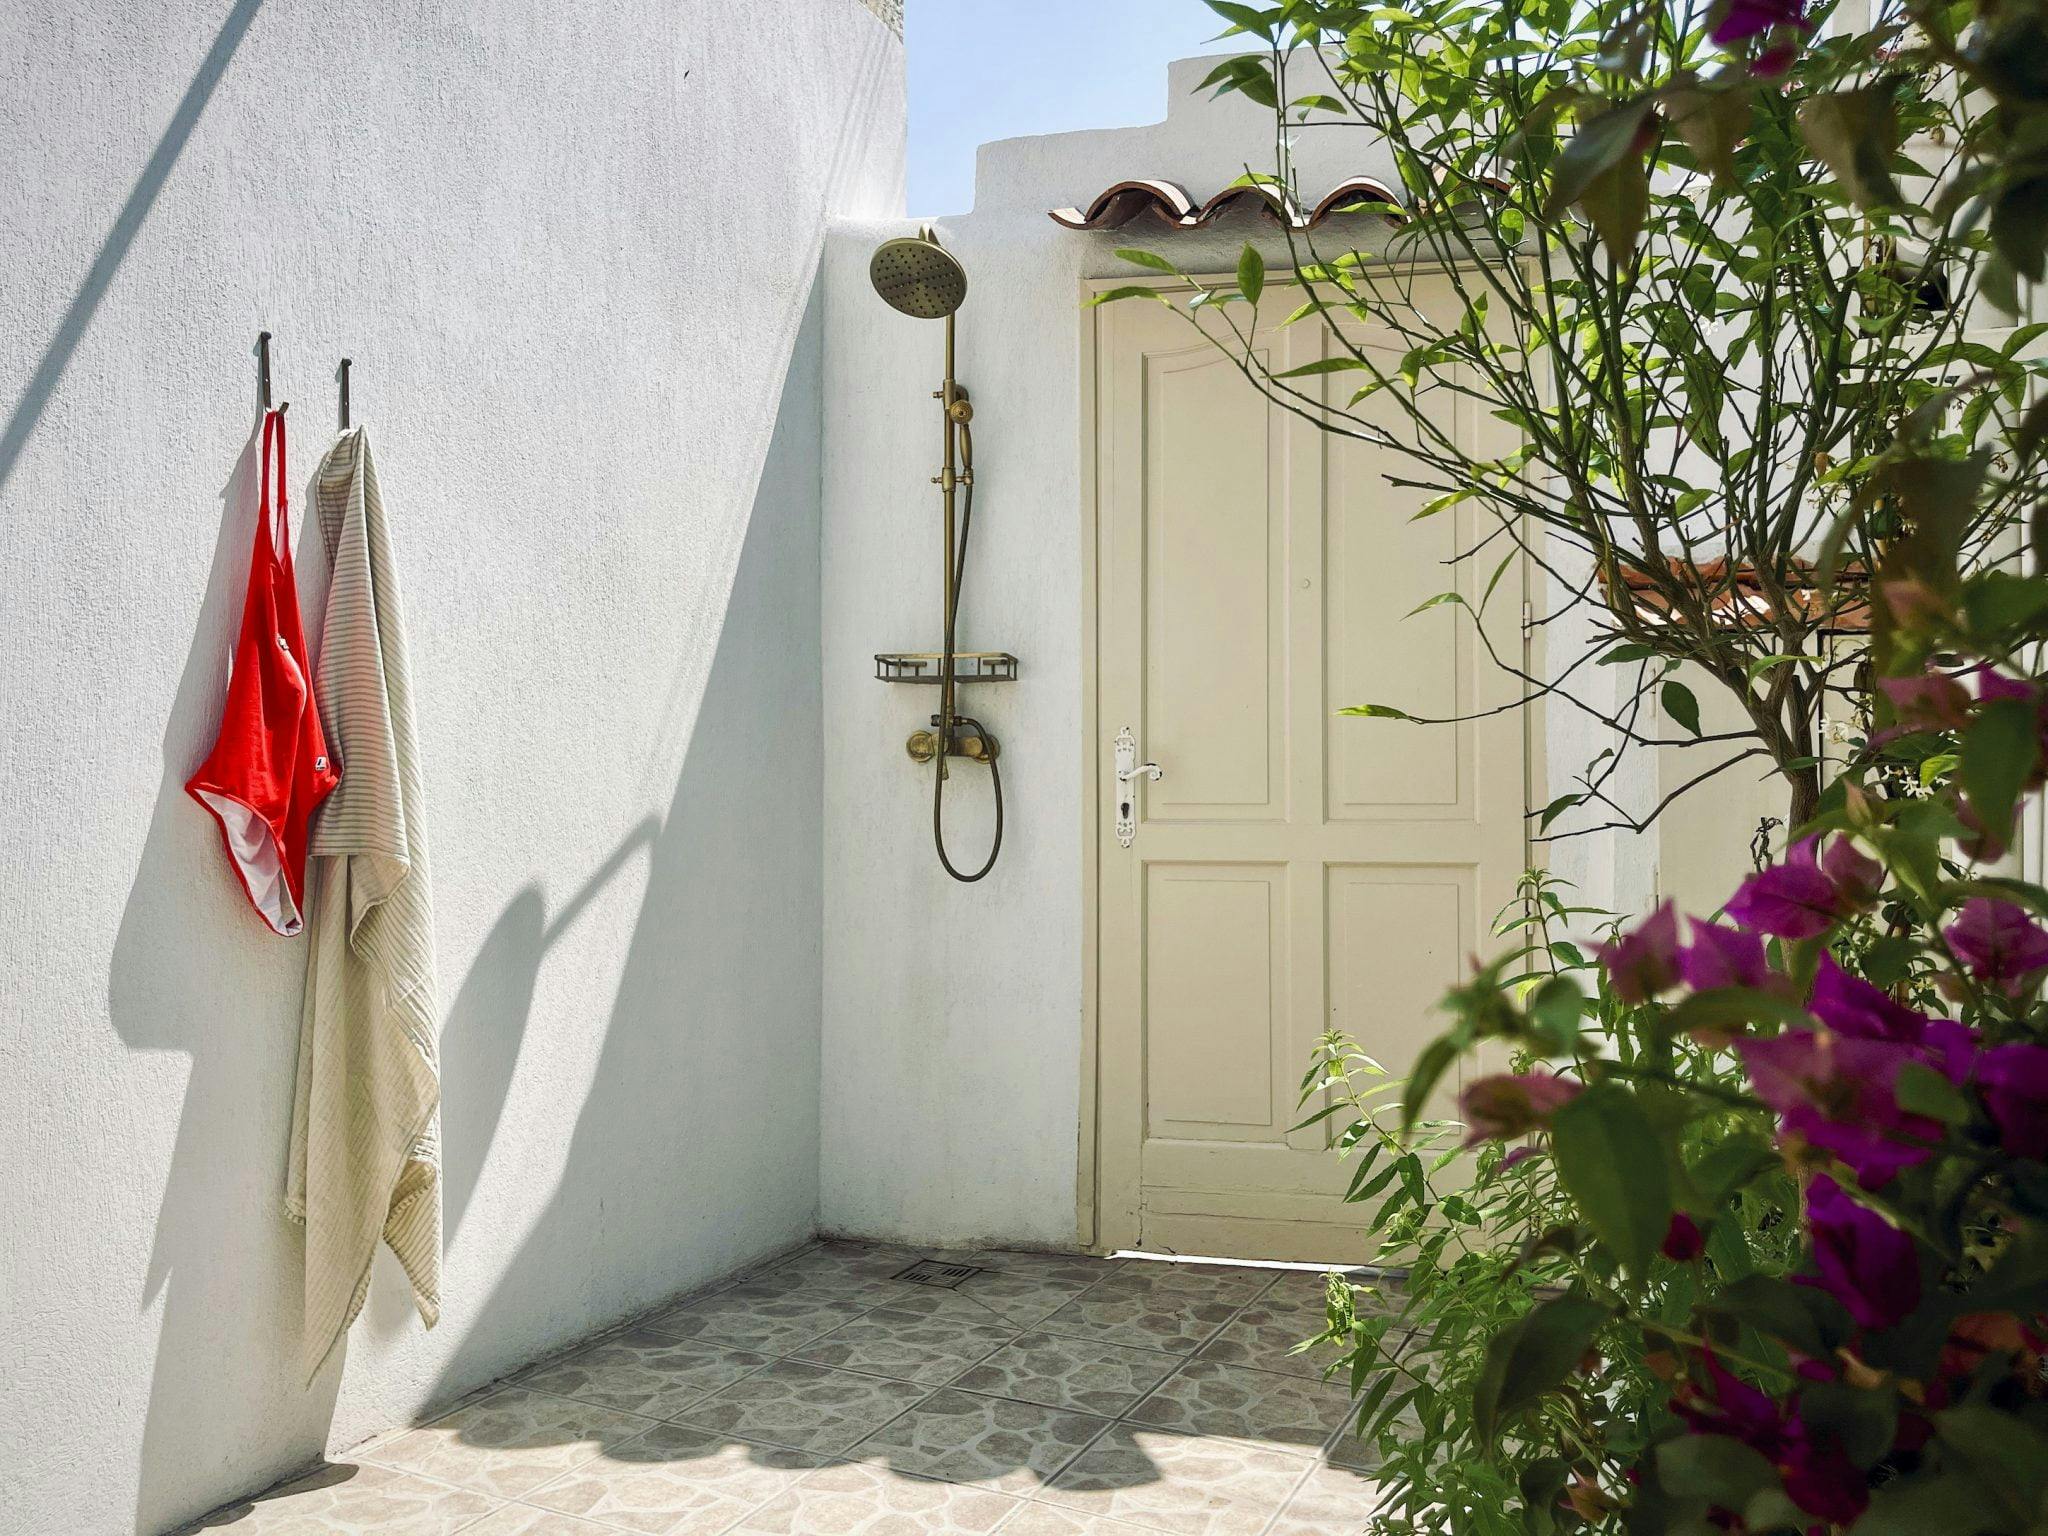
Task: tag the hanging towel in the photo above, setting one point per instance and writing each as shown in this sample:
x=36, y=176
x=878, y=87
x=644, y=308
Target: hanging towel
x=366, y=1143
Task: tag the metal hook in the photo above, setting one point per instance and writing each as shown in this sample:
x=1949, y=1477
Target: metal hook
x=345, y=362
x=263, y=372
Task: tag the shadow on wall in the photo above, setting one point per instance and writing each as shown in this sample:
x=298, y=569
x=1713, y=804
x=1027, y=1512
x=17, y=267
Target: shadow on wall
x=700, y=1108
x=230, y=1005
x=42, y=384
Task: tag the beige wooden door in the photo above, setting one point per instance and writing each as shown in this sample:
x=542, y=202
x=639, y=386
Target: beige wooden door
x=1293, y=870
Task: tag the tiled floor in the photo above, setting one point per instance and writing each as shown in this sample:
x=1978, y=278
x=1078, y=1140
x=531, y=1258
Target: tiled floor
x=820, y=1396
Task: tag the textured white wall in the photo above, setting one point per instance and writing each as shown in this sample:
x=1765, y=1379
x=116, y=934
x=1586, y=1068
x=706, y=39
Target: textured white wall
x=571, y=250
x=953, y=1014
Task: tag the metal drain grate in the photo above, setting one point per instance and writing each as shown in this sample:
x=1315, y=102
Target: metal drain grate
x=932, y=1272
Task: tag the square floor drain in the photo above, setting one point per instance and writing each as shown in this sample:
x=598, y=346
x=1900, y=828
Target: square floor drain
x=932, y=1272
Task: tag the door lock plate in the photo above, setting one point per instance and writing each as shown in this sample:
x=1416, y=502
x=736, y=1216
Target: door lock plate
x=1128, y=769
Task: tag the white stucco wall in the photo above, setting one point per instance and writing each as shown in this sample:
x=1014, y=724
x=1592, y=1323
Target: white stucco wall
x=953, y=1014
x=571, y=251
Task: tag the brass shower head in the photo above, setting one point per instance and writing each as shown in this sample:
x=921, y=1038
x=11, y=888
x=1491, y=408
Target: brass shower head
x=917, y=276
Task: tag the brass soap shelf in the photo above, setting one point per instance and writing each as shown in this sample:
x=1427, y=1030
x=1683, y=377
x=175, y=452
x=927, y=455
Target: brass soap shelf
x=968, y=667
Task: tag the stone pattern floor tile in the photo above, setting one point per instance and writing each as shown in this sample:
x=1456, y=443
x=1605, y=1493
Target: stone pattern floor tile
x=525, y=1520
x=1012, y=1300
x=1145, y=1314
x=510, y=1442
x=762, y=1317
x=1063, y=1372
x=817, y=1394
x=677, y=1480
x=1266, y=1332
x=805, y=1407
x=642, y=1371
x=1236, y=1283
x=990, y=1442
x=864, y=1501
x=1183, y=1484
x=1333, y=1502
x=1234, y=1401
x=349, y=1500
x=910, y=1346
x=1046, y=1520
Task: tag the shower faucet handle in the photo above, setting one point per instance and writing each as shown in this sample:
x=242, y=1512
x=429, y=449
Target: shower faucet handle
x=1128, y=768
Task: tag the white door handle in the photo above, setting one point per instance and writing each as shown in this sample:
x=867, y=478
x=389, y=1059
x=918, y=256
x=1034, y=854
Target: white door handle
x=1129, y=768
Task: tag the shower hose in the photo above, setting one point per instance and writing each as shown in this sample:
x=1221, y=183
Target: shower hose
x=995, y=773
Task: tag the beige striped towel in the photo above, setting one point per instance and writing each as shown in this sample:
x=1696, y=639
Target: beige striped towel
x=366, y=1133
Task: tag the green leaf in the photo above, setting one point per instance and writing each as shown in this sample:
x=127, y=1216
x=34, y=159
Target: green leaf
x=1322, y=365
x=1863, y=1423
x=1806, y=1318
x=1917, y=1505
x=1681, y=706
x=1617, y=203
x=1139, y=258
x=1251, y=273
x=1612, y=1162
x=1764, y=664
x=1852, y=133
x=1243, y=18
x=2010, y=1455
x=1633, y=651
x=2001, y=749
x=1921, y=1090
x=1430, y=1066
x=2019, y=227
x=1716, y=1468
x=1132, y=291
x=1730, y=1008
x=1555, y=1009
x=1557, y=808
x=1712, y=124
x=1602, y=142
x=1376, y=711
x=1531, y=1356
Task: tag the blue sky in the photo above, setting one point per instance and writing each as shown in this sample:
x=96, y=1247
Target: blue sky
x=995, y=69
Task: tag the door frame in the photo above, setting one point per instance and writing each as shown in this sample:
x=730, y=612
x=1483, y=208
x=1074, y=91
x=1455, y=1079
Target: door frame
x=1088, y=1153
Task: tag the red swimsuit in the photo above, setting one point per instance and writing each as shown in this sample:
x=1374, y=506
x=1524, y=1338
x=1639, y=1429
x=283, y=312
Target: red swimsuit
x=270, y=766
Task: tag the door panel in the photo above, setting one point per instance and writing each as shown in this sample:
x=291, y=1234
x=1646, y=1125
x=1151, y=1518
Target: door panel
x=1216, y=996
x=1294, y=871
x=1214, y=530
x=1396, y=937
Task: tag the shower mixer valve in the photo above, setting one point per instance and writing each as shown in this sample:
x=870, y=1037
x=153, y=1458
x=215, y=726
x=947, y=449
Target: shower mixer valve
x=978, y=745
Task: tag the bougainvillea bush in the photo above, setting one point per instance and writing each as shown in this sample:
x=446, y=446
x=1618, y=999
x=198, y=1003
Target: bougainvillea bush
x=1848, y=1060
x=1475, y=1220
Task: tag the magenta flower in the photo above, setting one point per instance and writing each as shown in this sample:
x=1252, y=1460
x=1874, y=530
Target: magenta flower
x=1744, y=19
x=1818, y=1476
x=2014, y=1080
x=1993, y=685
x=1644, y=962
x=1683, y=1240
x=1730, y=1406
x=1838, y=1093
x=1856, y=877
x=1504, y=1104
x=1853, y=1007
x=1792, y=900
x=1934, y=701
x=1999, y=944
x=1724, y=957
x=1859, y=1258
x=1775, y=61
x=1822, y=1480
